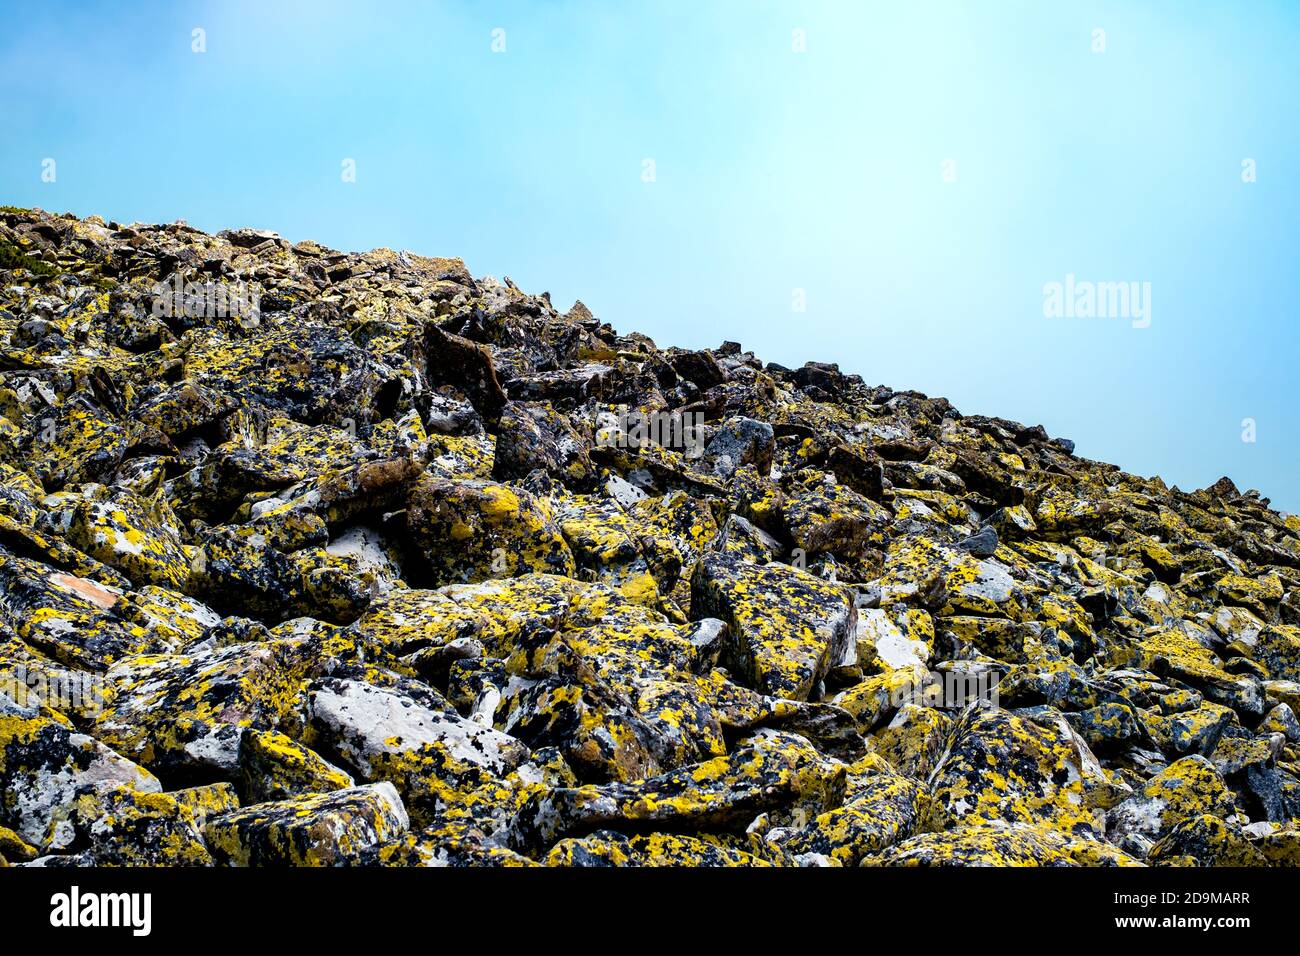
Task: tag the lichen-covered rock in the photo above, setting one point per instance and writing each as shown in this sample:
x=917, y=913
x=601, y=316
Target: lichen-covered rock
x=125, y=827
x=45, y=765
x=275, y=767
x=409, y=620
x=428, y=754
x=184, y=714
x=1106, y=726
x=532, y=435
x=14, y=848
x=999, y=843
x=773, y=770
x=141, y=538
x=1277, y=648
x=471, y=530
x=1187, y=788
x=31, y=679
x=85, y=443
x=241, y=571
x=894, y=638
x=877, y=812
x=740, y=441
x=999, y=766
x=612, y=849
x=1281, y=720
x=914, y=740
x=1189, y=731
x=1279, y=845
x=72, y=619
x=788, y=628
x=329, y=829
x=880, y=696
x=399, y=540
x=823, y=516
x=600, y=731
x=1205, y=840
x=441, y=850
x=207, y=801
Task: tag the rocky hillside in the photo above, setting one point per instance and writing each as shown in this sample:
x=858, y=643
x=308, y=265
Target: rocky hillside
x=319, y=558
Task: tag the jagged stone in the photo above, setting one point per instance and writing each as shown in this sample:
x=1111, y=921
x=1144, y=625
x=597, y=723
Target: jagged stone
x=1039, y=779
x=534, y=435
x=183, y=715
x=126, y=827
x=740, y=441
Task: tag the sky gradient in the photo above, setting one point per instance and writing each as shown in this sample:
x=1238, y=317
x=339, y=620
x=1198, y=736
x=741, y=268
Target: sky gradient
x=919, y=171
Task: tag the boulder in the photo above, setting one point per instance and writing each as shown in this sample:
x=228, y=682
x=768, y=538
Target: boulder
x=327, y=829
x=787, y=628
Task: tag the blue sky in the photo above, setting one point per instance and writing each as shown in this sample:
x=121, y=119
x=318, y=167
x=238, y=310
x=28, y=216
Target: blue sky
x=774, y=171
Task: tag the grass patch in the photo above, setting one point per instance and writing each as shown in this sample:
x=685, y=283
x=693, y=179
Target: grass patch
x=11, y=257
